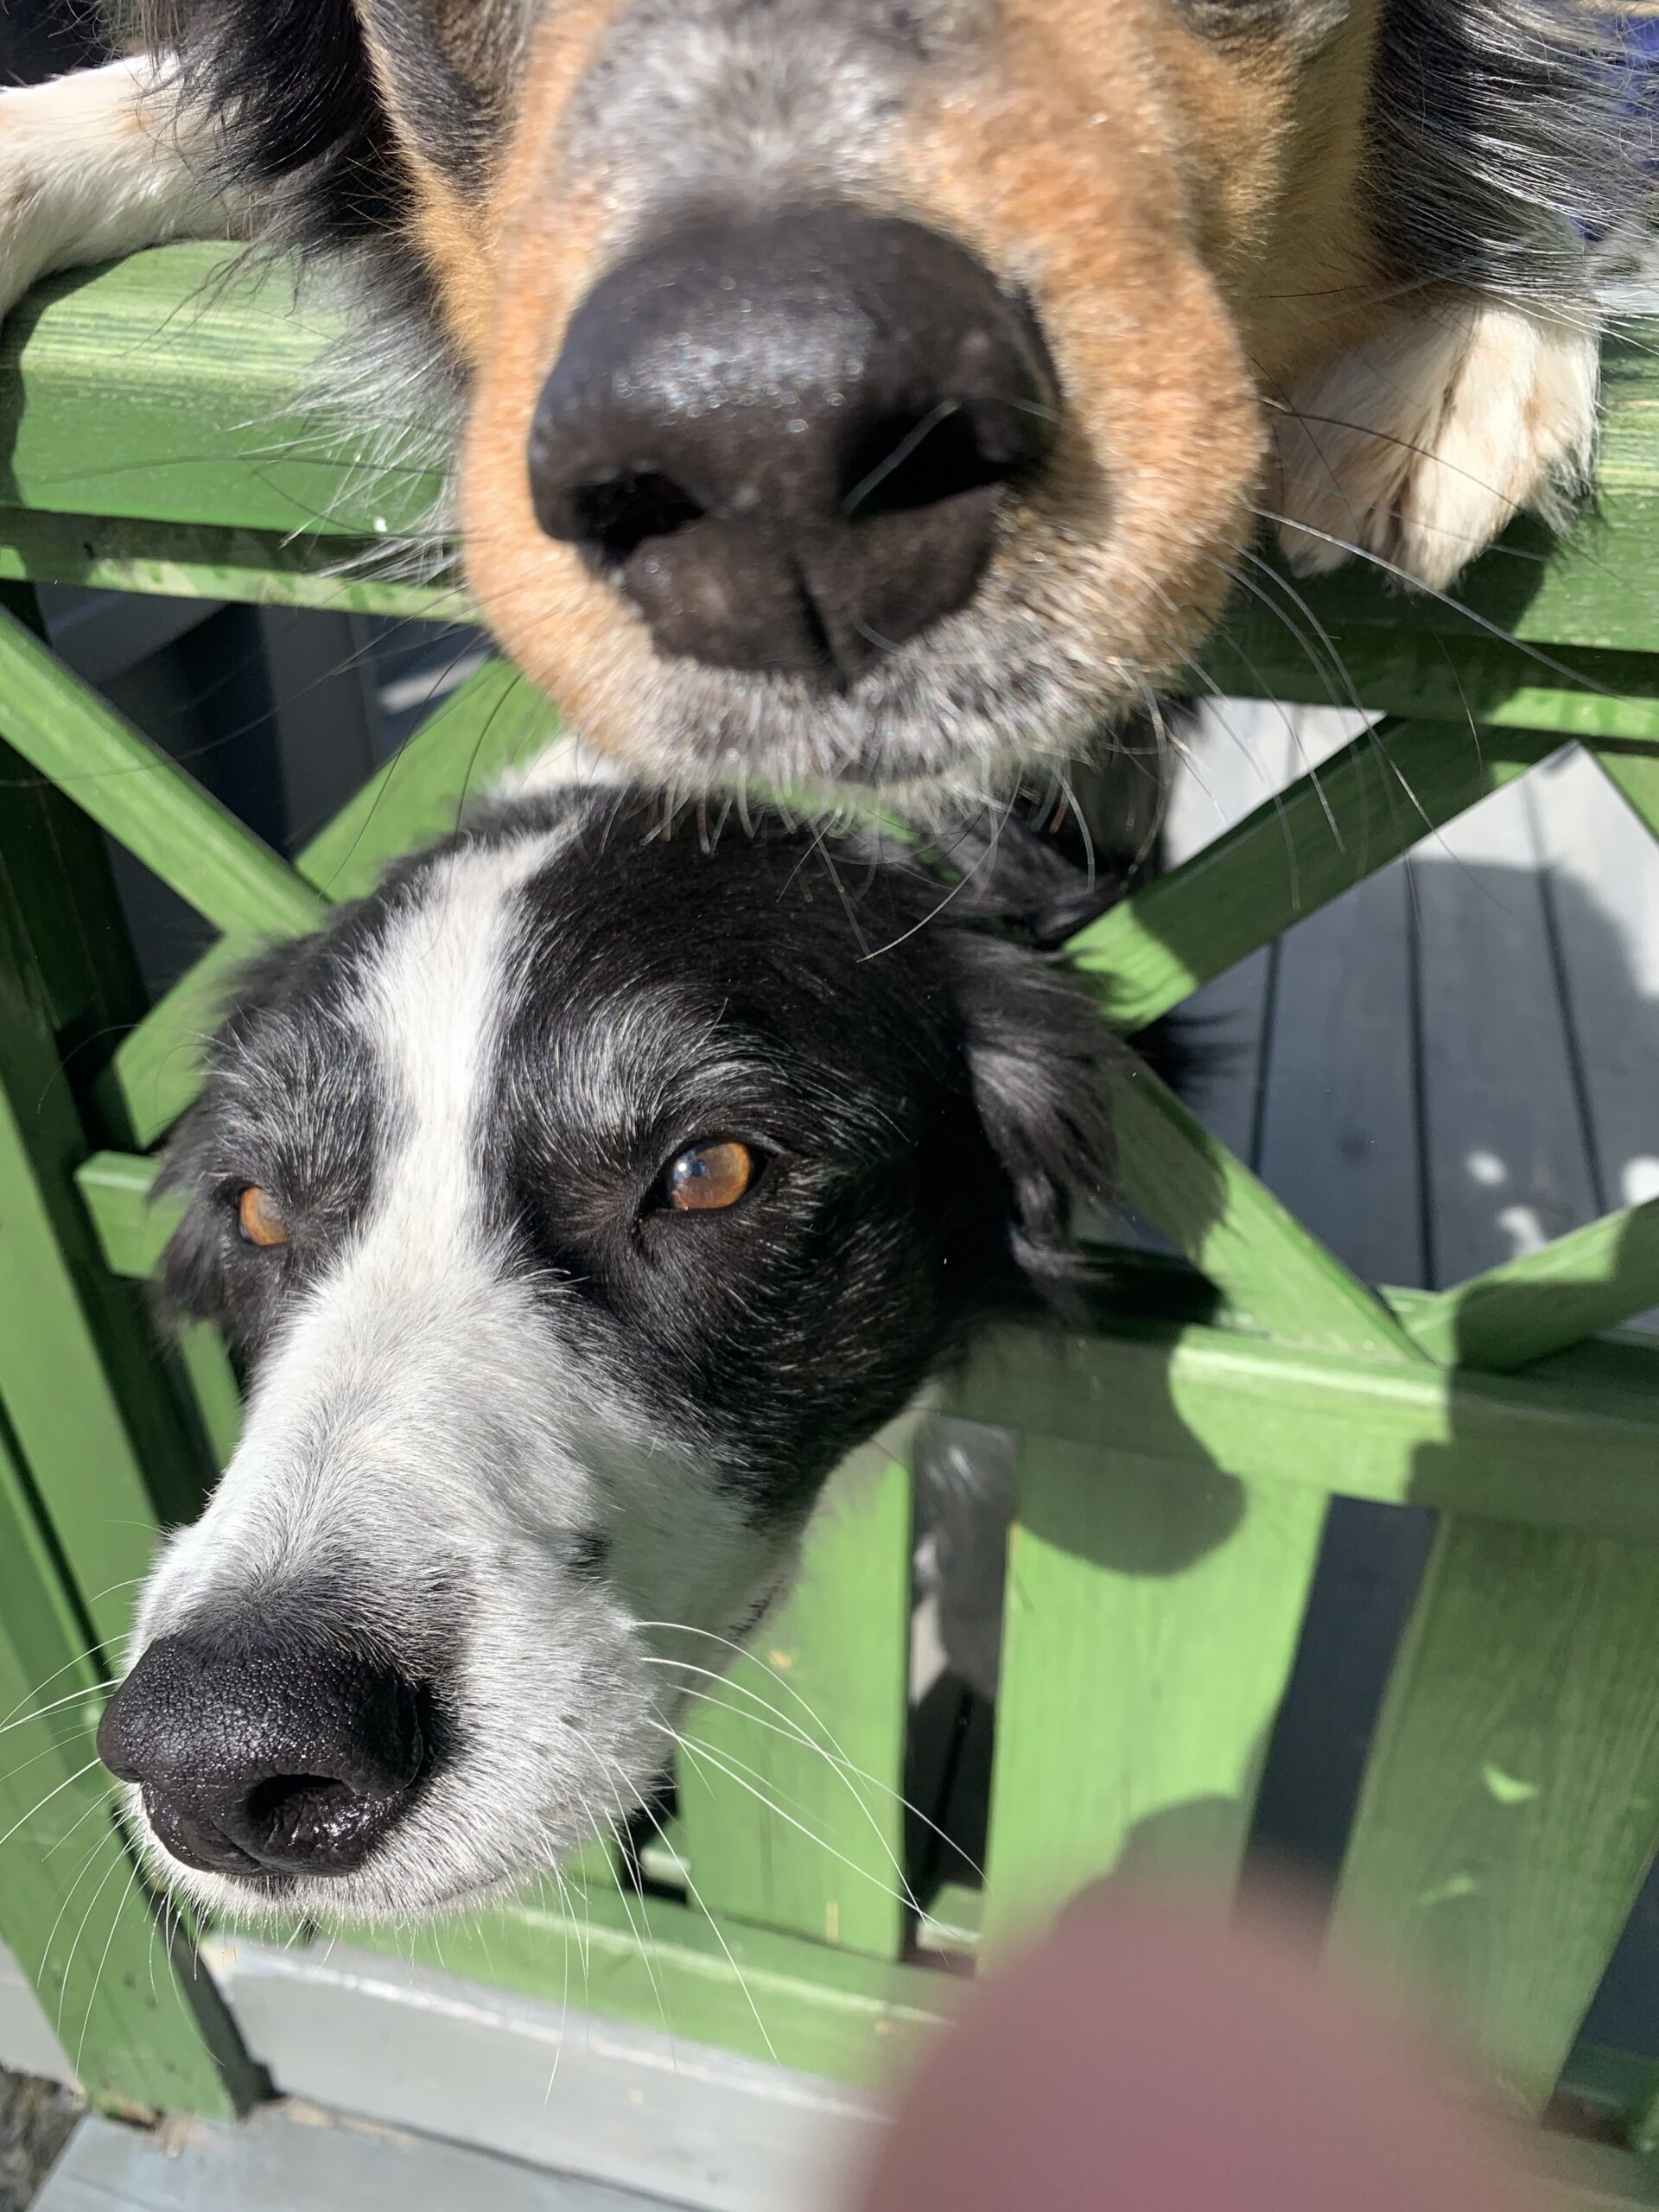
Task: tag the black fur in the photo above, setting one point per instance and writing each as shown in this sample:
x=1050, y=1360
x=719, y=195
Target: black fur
x=290, y=81
x=927, y=1101
x=1504, y=138
x=299, y=120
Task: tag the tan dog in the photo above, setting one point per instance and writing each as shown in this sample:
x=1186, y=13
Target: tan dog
x=856, y=392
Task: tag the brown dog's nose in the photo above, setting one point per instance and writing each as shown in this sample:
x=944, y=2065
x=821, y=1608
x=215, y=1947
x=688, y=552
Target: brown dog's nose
x=786, y=442
x=266, y=1753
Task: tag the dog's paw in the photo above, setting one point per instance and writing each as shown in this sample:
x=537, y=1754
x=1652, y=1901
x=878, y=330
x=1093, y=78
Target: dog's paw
x=93, y=165
x=1419, y=445
x=27, y=224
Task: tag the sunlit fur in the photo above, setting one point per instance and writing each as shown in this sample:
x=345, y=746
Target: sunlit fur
x=1321, y=259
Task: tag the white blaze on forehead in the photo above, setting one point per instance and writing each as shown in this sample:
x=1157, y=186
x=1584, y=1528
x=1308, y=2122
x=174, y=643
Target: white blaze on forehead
x=401, y=1395
x=439, y=996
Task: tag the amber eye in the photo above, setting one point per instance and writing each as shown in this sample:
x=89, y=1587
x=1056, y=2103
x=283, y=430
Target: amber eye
x=260, y=1218
x=707, y=1178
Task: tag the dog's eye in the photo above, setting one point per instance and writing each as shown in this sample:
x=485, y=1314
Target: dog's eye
x=259, y=1217
x=708, y=1178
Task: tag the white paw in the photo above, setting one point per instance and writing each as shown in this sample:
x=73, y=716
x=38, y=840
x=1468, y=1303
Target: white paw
x=93, y=165
x=1422, y=444
x=28, y=224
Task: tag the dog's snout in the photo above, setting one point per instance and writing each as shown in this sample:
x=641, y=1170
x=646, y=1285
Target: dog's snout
x=266, y=1754
x=787, y=442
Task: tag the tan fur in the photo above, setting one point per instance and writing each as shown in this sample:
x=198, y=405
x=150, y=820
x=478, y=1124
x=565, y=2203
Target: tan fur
x=1163, y=440
x=454, y=236
x=581, y=644
x=1188, y=218
x=451, y=229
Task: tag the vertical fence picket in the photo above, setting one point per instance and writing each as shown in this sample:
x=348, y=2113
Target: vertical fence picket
x=812, y=1722
x=1152, y=1613
x=1512, y=1802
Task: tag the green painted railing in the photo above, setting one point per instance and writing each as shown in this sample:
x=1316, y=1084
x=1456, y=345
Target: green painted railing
x=1511, y=1805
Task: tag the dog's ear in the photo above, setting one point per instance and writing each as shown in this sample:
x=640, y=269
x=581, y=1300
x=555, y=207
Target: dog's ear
x=1040, y=1067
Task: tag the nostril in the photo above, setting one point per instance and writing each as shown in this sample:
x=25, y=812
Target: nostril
x=313, y=1823
x=612, y=516
x=287, y=1801
x=901, y=464
x=186, y=1833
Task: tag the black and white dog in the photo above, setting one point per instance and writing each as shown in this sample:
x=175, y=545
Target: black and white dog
x=580, y=1197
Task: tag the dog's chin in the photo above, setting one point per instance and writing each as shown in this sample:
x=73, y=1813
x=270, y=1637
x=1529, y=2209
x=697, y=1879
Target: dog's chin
x=968, y=709
x=410, y=1878
x=924, y=729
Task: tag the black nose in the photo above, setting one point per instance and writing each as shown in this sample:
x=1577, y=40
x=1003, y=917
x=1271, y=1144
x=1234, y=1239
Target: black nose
x=787, y=443
x=266, y=1753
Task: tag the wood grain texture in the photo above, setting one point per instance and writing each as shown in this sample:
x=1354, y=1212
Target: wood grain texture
x=173, y=388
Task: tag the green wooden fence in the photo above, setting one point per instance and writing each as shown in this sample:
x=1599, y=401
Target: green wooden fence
x=1511, y=1805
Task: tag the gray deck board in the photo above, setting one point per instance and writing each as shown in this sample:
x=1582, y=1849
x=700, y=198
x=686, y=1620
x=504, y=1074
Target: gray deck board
x=1507, y=1149
x=1340, y=1135
x=289, y=2158
x=1461, y=1058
